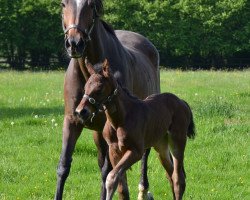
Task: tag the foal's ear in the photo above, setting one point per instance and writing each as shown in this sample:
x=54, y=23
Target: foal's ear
x=105, y=68
x=89, y=66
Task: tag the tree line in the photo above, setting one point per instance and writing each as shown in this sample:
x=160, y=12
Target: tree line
x=187, y=33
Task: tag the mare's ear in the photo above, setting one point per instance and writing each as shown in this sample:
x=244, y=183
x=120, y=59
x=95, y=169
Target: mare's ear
x=105, y=68
x=89, y=66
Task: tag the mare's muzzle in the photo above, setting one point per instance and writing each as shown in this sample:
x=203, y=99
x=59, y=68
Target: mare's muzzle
x=75, y=46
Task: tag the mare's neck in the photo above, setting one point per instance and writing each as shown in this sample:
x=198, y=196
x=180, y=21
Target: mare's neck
x=117, y=109
x=95, y=50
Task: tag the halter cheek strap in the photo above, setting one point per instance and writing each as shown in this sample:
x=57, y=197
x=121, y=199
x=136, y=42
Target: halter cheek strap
x=86, y=31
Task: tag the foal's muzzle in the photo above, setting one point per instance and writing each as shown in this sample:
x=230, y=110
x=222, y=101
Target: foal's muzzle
x=83, y=114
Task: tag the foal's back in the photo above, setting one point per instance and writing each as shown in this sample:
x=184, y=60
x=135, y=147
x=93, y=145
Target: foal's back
x=158, y=115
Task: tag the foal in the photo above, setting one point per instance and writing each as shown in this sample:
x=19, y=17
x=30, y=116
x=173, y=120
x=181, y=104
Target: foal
x=162, y=121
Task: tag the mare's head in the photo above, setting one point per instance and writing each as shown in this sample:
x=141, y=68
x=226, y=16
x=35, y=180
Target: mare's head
x=100, y=88
x=78, y=19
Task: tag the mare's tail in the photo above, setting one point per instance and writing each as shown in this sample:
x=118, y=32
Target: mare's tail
x=191, y=126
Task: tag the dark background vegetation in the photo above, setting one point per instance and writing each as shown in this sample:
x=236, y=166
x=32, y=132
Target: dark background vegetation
x=187, y=33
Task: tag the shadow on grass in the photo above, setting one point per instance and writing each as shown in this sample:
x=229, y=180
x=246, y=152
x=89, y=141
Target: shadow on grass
x=19, y=112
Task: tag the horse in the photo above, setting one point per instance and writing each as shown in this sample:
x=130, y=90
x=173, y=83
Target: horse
x=135, y=63
x=162, y=121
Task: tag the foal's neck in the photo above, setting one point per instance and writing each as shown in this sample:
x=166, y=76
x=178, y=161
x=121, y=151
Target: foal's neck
x=118, y=108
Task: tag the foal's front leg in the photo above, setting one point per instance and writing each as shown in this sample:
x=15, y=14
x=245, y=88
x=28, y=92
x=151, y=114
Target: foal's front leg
x=127, y=160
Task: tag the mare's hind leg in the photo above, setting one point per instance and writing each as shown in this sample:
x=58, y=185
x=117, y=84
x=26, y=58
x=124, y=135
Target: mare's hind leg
x=178, y=142
x=71, y=132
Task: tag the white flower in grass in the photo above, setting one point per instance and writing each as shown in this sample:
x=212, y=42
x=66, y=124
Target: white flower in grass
x=12, y=123
x=53, y=120
x=56, y=124
x=196, y=94
x=36, y=116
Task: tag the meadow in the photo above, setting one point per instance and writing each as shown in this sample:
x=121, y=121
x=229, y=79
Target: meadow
x=216, y=161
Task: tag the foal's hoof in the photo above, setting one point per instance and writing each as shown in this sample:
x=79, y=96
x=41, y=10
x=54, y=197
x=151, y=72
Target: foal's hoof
x=150, y=196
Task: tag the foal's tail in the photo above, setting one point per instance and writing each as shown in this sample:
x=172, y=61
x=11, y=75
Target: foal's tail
x=191, y=126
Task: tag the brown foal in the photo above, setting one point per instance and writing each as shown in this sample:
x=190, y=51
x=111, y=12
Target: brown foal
x=162, y=121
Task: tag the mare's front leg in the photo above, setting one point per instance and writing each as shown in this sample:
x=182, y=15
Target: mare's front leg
x=117, y=174
x=103, y=160
x=73, y=85
x=71, y=132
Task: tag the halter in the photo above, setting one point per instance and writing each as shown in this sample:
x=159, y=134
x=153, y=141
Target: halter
x=97, y=104
x=86, y=31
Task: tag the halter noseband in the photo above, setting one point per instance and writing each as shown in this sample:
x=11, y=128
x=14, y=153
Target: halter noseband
x=86, y=31
x=97, y=105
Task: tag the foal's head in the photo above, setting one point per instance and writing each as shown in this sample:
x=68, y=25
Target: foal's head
x=100, y=88
x=78, y=19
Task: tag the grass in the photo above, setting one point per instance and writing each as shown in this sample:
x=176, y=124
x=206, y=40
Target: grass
x=216, y=161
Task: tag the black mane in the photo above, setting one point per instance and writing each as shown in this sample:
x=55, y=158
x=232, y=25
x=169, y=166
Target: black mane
x=127, y=92
x=108, y=28
x=99, y=7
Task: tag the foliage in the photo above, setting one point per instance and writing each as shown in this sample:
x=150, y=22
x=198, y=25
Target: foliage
x=187, y=28
x=216, y=161
x=29, y=29
x=186, y=32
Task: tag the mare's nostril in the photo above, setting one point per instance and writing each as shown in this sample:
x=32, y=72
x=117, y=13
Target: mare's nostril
x=80, y=43
x=70, y=42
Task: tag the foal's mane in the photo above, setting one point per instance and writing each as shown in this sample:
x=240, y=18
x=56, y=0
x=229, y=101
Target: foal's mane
x=127, y=92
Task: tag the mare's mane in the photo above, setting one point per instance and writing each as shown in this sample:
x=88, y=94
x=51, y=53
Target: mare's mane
x=108, y=28
x=100, y=12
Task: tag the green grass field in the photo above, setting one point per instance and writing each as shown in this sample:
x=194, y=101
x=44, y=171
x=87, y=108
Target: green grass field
x=216, y=161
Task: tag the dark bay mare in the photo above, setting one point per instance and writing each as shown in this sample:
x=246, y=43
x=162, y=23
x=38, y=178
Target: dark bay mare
x=135, y=63
x=162, y=121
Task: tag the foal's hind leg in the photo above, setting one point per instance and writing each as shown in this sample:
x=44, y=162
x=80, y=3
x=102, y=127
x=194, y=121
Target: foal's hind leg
x=178, y=142
x=166, y=160
x=144, y=184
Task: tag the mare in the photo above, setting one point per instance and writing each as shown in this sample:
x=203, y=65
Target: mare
x=162, y=121
x=135, y=63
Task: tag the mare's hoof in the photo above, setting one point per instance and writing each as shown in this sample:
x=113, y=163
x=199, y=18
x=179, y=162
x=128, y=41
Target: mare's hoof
x=150, y=196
